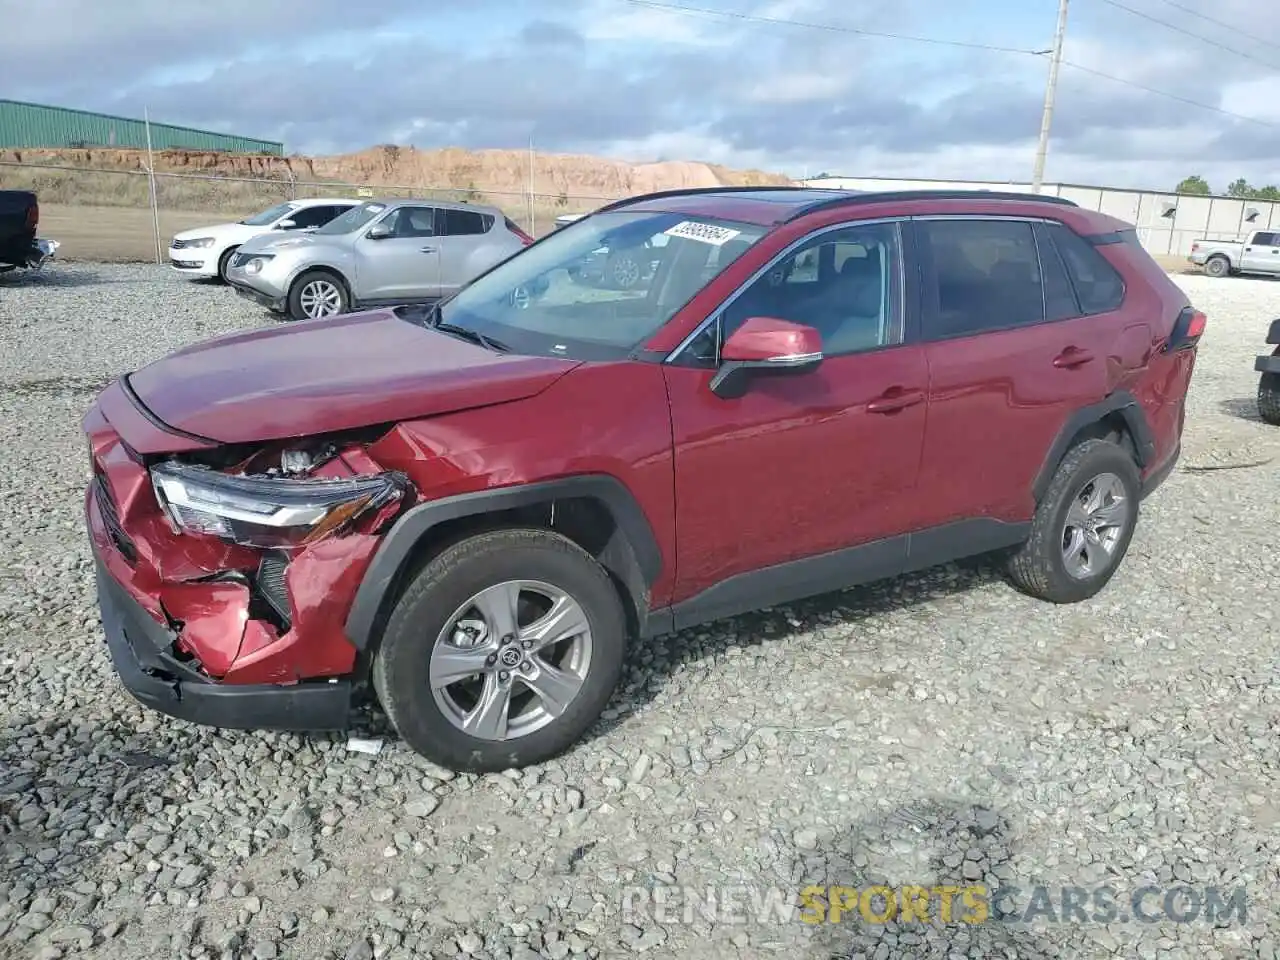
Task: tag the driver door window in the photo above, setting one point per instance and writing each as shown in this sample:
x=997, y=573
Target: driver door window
x=844, y=283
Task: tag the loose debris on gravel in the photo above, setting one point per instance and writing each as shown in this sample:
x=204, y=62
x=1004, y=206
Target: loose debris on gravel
x=938, y=729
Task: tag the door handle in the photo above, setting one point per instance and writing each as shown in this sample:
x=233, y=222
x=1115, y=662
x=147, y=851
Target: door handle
x=428, y=249
x=895, y=399
x=1071, y=358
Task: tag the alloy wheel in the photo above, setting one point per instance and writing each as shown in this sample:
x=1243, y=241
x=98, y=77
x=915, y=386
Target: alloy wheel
x=510, y=660
x=320, y=298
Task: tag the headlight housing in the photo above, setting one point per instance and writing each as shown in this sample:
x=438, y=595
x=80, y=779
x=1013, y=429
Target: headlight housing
x=200, y=242
x=268, y=512
x=259, y=261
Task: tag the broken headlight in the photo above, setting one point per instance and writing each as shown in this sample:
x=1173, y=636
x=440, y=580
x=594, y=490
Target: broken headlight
x=267, y=512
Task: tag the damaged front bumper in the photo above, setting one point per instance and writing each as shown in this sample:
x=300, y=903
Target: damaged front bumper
x=141, y=652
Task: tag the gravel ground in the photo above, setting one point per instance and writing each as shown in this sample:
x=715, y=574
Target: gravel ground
x=940, y=729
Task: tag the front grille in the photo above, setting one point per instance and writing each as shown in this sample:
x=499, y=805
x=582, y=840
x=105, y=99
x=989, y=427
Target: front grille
x=240, y=259
x=178, y=244
x=186, y=264
x=111, y=519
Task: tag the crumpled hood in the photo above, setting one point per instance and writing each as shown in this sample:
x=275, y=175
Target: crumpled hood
x=321, y=376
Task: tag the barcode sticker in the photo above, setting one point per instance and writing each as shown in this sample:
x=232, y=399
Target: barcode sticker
x=704, y=232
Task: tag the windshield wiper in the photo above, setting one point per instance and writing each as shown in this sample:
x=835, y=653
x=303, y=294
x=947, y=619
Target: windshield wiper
x=434, y=320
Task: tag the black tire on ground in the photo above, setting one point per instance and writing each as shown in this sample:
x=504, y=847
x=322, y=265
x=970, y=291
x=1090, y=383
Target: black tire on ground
x=293, y=307
x=224, y=262
x=1269, y=398
x=1217, y=266
x=401, y=665
x=1037, y=567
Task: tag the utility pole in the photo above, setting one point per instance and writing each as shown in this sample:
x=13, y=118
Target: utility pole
x=1050, y=94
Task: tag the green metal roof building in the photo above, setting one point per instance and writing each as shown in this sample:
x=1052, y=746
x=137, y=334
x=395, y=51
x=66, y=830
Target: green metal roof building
x=33, y=126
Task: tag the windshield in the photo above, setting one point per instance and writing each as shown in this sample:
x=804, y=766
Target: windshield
x=268, y=216
x=596, y=289
x=353, y=219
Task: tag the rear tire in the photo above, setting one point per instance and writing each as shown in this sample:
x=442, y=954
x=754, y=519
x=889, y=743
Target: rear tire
x=449, y=622
x=1269, y=398
x=1217, y=266
x=317, y=294
x=1075, y=547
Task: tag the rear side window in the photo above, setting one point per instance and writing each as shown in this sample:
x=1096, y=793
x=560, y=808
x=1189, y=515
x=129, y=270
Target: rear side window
x=1099, y=288
x=987, y=276
x=464, y=223
x=1059, y=295
x=1264, y=239
x=316, y=216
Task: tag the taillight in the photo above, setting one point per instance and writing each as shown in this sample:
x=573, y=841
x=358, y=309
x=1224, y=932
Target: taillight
x=524, y=237
x=1187, y=331
x=1195, y=247
x=33, y=215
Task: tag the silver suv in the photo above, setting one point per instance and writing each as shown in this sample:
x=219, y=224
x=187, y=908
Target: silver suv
x=380, y=253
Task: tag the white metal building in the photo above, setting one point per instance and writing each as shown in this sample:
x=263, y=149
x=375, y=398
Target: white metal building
x=1166, y=222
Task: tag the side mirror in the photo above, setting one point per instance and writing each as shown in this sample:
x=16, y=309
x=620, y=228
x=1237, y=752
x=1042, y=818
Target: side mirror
x=379, y=231
x=286, y=225
x=765, y=345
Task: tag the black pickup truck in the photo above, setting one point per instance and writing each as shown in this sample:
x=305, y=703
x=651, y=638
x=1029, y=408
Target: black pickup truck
x=19, y=218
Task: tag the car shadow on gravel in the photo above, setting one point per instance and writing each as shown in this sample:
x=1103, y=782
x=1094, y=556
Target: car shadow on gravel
x=60, y=779
x=54, y=277
x=645, y=673
x=1243, y=408
x=935, y=844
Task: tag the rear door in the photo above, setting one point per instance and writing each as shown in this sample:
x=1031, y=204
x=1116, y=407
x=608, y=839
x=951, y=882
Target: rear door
x=462, y=237
x=1262, y=253
x=404, y=265
x=1011, y=357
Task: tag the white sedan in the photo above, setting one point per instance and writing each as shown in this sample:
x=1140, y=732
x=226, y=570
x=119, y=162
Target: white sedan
x=206, y=251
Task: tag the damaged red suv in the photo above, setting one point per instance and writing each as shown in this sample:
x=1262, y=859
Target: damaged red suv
x=470, y=510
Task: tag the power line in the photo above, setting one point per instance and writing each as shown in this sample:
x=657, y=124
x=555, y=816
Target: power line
x=1190, y=33
x=835, y=28
x=1171, y=96
x=1221, y=23
x=829, y=27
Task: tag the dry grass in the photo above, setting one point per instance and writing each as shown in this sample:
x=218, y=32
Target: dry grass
x=106, y=216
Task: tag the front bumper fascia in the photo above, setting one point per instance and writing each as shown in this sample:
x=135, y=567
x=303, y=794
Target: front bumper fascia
x=141, y=651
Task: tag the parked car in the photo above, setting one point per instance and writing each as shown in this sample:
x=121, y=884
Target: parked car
x=1258, y=254
x=19, y=223
x=1268, y=365
x=470, y=509
x=620, y=267
x=381, y=252
x=206, y=251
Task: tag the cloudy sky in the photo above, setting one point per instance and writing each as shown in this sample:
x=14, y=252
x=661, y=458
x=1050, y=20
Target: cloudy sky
x=620, y=78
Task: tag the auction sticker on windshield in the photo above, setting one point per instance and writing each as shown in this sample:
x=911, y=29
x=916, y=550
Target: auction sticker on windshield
x=705, y=232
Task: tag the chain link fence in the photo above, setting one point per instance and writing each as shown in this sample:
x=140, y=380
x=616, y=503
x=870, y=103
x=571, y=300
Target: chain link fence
x=130, y=215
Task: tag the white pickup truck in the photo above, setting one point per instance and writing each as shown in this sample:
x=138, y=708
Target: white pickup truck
x=1260, y=253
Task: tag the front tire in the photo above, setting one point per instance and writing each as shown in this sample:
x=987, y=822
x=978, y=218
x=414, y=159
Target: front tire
x=224, y=263
x=1269, y=398
x=1082, y=527
x=1217, y=266
x=317, y=294
x=502, y=651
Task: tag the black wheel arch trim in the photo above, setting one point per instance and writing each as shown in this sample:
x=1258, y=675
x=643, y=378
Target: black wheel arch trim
x=415, y=524
x=1122, y=402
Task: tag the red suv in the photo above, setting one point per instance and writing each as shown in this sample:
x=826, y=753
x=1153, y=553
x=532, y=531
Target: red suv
x=470, y=509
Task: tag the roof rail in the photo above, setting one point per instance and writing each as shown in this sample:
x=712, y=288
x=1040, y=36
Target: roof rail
x=873, y=196
x=699, y=191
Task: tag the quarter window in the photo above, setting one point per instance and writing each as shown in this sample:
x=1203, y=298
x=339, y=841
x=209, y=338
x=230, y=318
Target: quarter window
x=843, y=283
x=1098, y=286
x=463, y=223
x=987, y=276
